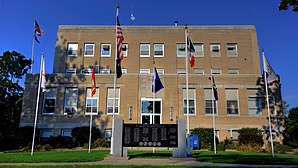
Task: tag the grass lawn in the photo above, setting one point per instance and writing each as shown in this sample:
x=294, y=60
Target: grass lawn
x=247, y=158
x=54, y=156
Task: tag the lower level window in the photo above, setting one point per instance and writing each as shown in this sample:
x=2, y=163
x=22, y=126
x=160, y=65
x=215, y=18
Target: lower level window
x=46, y=133
x=108, y=133
x=66, y=133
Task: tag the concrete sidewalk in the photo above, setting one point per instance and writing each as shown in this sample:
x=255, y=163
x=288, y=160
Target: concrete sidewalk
x=144, y=162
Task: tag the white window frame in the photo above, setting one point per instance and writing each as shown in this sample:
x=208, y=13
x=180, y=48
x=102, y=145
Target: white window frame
x=144, y=71
x=105, y=71
x=163, y=50
x=124, y=71
x=189, y=99
x=233, y=71
x=111, y=98
x=66, y=130
x=108, y=133
x=94, y=98
x=210, y=99
x=160, y=71
x=199, y=71
x=255, y=95
x=232, y=45
x=85, y=50
x=102, y=49
x=72, y=98
x=86, y=71
x=180, y=47
x=145, y=44
x=71, y=71
x=69, y=48
x=49, y=97
x=197, y=53
x=181, y=71
x=216, y=71
x=213, y=47
x=125, y=49
x=237, y=97
x=151, y=115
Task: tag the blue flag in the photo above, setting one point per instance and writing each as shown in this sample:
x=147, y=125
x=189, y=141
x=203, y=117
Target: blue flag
x=214, y=89
x=156, y=82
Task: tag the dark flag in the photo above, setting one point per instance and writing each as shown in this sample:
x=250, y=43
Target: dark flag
x=156, y=82
x=37, y=31
x=214, y=88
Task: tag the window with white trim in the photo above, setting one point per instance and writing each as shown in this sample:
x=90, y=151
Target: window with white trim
x=66, y=133
x=70, y=100
x=232, y=50
x=215, y=50
x=125, y=49
x=254, y=102
x=144, y=71
x=208, y=95
x=199, y=71
x=124, y=71
x=233, y=71
x=46, y=133
x=158, y=50
x=91, y=102
x=216, y=71
x=49, y=101
x=104, y=71
x=144, y=50
x=89, y=50
x=110, y=100
x=108, y=133
x=199, y=49
x=232, y=101
x=181, y=71
x=160, y=71
x=87, y=71
x=71, y=70
x=181, y=50
x=105, y=50
x=191, y=101
x=72, y=49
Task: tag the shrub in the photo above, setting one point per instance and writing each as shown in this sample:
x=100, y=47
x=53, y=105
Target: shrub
x=249, y=148
x=205, y=137
x=102, y=143
x=250, y=137
x=280, y=148
x=47, y=147
x=81, y=135
x=227, y=144
x=25, y=136
x=60, y=142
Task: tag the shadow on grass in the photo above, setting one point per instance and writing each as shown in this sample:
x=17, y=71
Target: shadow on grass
x=150, y=154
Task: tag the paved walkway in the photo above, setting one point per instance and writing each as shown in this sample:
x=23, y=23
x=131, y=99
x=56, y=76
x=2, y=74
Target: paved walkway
x=143, y=162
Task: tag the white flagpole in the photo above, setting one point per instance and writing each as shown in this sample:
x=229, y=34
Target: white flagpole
x=213, y=117
x=32, y=52
x=37, y=103
x=268, y=108
x=91, y=116
x=115, y=80
x=187, y=97
x=153, y=119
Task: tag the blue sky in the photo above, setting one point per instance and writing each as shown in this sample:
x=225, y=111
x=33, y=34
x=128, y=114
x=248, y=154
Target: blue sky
x=277, y=30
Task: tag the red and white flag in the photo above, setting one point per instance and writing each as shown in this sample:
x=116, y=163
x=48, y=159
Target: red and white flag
x=43, y=74
x=93, y=90
x=190, y=52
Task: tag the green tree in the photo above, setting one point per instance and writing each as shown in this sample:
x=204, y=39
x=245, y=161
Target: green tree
x=285, y=4
x=291, y=128
x=13, y=66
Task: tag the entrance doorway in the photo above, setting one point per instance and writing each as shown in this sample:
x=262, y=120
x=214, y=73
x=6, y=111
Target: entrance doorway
x=147, y=114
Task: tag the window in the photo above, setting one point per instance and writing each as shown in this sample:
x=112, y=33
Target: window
x=49, y=101
x=91, y=102
x=158, y=50
x=66, y=133
x=199, y=71
x=70, y=100
x=104, y=71
x=181, y=71
x=105, y=50
x=254, y=102
x=72, y=49
x=144, y=50
x=46, y=133
x=124, y=71
x=199, y=49
x=160, y=71
x=71, y=71
x=144, y=71
x=232, y=101
x=191, y=101
x=110, y=100
x=125, y=49
x=89, y=50
x=234, y=134
x=232, y=50
x=215, y=50
x=233, y=71
x=208, y=95
x=216, y=71
x=181, y=50
x=87, y=71
x=108, y=133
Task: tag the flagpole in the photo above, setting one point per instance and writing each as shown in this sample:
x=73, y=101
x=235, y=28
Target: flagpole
x=268, y=110
x=213, y=117
x=91, y=116
x=153, y=118
x=115, y=80
x=187, y=97
x=37, y=103
x=32, y=52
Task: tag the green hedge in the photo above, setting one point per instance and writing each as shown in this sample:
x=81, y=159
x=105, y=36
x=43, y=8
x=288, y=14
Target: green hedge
x=205, y=137
x=81, y=135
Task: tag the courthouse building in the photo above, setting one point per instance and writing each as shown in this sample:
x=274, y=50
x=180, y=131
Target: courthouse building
x=231, y=51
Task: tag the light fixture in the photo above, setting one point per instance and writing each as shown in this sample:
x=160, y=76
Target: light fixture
x=130, y=112
x=171, y=113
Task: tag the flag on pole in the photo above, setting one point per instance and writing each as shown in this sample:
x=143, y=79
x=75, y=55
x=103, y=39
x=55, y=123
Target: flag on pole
x=156, y=82
x=190, y=52
x=43, y=74
x=37, y=31
x=120, y=55
x=93, y=90
x=214, y=88
x=268, y=71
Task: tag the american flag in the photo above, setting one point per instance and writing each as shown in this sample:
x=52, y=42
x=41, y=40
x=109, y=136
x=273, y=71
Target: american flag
x=120, y=39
